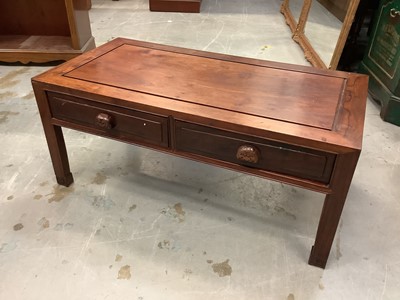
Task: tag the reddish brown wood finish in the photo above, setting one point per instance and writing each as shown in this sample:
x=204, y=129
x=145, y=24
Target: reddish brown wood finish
x=293, y=124
x=44, y=17
x=271, y=156
x=332, y=209
x=55, y=140
x=188, y=6
x=44, y=30
x=122, y=123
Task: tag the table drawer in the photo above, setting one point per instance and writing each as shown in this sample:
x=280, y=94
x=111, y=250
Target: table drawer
x=117, y=122
x=254, y=152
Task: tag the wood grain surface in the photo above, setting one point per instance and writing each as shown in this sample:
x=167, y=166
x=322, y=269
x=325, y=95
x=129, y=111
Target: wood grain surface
x=307, y=99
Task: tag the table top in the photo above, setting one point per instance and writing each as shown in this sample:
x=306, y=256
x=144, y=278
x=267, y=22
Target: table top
x=281, y=101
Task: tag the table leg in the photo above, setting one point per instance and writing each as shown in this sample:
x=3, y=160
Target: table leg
x=332, y=209
x=55, y=141
x=59, y=156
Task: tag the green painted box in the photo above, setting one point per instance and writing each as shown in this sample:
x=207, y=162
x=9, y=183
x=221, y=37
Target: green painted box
x=382, y=60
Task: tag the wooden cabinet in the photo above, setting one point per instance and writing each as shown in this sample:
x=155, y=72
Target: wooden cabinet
x=44, y=30
x=382, y=60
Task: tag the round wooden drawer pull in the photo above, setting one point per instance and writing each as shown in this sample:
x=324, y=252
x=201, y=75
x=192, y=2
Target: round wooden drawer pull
x=248, y=153
x=104, y=120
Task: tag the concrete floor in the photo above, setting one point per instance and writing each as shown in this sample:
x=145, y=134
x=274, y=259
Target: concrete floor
x=138, y=224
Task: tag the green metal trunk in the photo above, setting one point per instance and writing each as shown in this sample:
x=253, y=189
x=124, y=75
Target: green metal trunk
x=382, y=60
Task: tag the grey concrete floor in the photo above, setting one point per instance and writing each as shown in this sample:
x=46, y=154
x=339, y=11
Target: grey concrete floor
x=138, y=224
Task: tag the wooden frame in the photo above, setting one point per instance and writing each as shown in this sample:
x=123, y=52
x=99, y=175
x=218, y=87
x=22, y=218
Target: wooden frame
x=300, y=37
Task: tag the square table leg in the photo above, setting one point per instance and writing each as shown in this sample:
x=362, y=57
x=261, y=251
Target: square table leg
x=55, y=142
x=332, y=208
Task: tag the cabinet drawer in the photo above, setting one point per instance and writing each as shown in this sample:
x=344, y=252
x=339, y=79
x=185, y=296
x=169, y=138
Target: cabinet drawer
x=254, y=152
x=132, y=125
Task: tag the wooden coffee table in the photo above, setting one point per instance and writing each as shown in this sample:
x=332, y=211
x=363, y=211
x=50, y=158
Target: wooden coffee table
x=292, y=124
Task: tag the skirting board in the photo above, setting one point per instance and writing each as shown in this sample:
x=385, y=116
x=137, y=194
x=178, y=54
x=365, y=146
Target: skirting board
x=189, y=6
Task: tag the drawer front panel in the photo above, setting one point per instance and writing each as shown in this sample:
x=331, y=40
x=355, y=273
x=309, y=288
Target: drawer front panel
x=113, y=121
x=254, y=152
